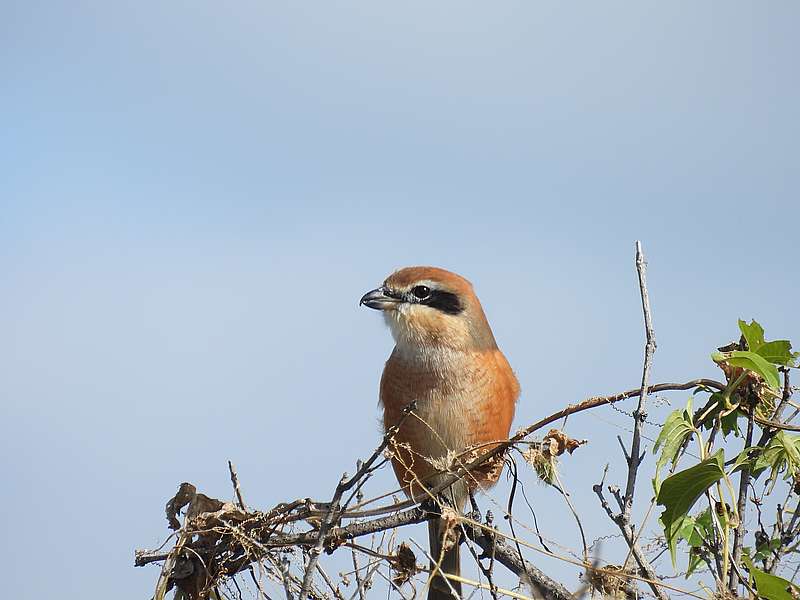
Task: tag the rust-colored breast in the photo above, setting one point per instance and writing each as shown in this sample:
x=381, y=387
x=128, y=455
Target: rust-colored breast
x=466, y=400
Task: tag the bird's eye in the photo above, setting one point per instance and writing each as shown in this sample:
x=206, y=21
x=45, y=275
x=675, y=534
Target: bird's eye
x=421, y=291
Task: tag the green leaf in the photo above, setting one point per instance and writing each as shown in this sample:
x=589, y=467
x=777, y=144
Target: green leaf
x=677, y=428
x=695, y=560
x=770, y=586
x=789, y=444
x=730, y=423
x=746, y=457
x=767, y=548
x=696, y=530
x=753, y=334
x=755, y=363
x=680, y=491
x=778, y=352
x=687, y=532
x=782, y=455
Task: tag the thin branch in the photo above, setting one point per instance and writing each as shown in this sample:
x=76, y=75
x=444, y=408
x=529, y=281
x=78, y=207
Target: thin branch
x=283, y=569
x=345, y=484
x=639, y=414
x=627, y=533
x=741, y=508
x=335, y=536
x=237, y=490
x=335, y=589
x=634, y=457
x=565, y=495
x=546, y=587
x=324, y=528
x=357, y=573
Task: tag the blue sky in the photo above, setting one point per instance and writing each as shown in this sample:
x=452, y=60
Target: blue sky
x=195, y=195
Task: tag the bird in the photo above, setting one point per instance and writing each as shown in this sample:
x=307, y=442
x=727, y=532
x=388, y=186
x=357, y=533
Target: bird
x=445, y=361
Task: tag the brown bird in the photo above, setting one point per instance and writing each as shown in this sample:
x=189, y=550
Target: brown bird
x=446, y=359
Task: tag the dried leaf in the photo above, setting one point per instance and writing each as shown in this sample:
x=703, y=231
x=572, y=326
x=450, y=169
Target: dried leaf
x=404, y=564
x=202, y=504
x=556, y=442
x=227, y=512
x=185, y=494
x=543, y=456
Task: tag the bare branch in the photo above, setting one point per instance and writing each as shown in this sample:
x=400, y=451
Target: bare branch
x=639, y=415
x=627, y=533
x=237, y=490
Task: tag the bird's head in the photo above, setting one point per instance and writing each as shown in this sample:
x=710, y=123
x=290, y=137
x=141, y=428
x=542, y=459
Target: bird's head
x=430, y=307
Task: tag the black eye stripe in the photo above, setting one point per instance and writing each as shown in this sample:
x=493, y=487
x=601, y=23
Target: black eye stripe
x=447, y=302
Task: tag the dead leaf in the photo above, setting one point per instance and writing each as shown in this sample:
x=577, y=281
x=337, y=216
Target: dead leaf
x=202, y=504
x=185, y=494
x=556, y=442
x=404, y=564
x=226, y=513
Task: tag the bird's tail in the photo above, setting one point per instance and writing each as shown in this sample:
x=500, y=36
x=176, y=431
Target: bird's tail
x=444, y=561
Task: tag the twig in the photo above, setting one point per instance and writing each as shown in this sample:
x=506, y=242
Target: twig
x=487, y=571
x=630, y=539
x=565, y=494
x=634, y=459
x=324, y=528
x=329, y=583
x=257, y=580
x=366, y=582
x=357, y=572
x=283, y=569
x=435, y=571
x=548, y=588
x=608, y=570
x=344, y=485
x=392, y=584
x=236, y=488
x=769, y=433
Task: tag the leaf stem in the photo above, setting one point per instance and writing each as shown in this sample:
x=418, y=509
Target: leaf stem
x=731, y=387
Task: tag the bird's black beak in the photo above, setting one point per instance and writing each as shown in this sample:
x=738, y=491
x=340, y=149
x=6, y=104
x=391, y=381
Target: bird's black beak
x=379, y=299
